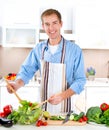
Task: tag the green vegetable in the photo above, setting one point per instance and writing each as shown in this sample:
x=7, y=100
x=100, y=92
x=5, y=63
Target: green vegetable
x=71, y=117
x=54, y=118
x=57, y=117
x=94, y=114
x=105, y=117
x=14, y=116
x=77, y=117
x=25, y=113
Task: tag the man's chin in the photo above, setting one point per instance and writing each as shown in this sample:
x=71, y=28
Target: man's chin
x=52, y=38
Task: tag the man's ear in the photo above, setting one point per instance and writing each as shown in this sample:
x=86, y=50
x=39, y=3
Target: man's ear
x=42, y=25
x=61, y=23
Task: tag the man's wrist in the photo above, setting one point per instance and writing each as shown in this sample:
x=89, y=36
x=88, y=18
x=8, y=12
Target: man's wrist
x=19, y=82
x=68, y=93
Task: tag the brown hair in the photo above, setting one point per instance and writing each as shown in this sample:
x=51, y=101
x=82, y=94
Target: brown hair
x=50, y=12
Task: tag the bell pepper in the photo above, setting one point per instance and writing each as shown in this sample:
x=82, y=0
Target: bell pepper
x=7, y=109
x=104, y=106
x=2, y=114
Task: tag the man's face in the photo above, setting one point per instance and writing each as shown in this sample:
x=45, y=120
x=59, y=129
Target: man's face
x=52, y=26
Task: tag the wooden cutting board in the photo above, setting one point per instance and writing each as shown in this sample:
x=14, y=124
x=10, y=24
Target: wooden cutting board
x=69, y=123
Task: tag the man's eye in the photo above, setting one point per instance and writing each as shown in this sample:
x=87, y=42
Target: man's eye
x=47, y=24
x=55, y=23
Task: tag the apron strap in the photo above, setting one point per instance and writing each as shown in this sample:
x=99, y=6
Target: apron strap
x=44, y=50
x=63, y=52
x=45, y=82
x=67, y=102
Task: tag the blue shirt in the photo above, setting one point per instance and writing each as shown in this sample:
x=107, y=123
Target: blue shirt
x=75, y=74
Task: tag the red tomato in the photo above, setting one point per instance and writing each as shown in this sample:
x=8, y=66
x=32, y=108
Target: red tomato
x=85, y=118
x=104, y=106
x=44, y=123
x=39, y=123
x=81, y=120
x=7, y=109
x=2, y=114
x=14, y=74
x=30, y=104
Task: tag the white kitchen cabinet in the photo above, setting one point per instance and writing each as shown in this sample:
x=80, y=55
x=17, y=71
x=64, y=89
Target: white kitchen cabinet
x=19, y=35
x=92, y=24
x=22, y=24
x=85, y=20
x=29, y=92
x=96, y=95
x=27, y=35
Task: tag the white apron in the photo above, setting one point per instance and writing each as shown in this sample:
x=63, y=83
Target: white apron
x=53, y=82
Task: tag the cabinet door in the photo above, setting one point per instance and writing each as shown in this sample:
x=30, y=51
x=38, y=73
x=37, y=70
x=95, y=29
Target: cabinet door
x=20, y=12
x=96, y=95
x=19, y=36
x=92, y=31
x=26, y=93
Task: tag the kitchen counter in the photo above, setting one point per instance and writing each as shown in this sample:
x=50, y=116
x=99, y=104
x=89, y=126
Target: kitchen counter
x=98, y=82
x=33, y=127
x=31, y=83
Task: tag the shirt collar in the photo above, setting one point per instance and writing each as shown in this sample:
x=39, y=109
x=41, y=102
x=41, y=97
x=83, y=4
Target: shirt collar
x=59, y=47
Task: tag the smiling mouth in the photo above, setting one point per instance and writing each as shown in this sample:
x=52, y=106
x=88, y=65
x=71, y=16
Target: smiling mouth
x=52, y=32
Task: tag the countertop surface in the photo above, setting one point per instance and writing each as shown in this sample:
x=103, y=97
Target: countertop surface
x=97, y=82
x=31, y=83
x=33, y=127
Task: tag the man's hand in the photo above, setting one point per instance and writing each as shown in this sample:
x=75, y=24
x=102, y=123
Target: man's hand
x=15, y=85
x=58, y=98
x=55, y=99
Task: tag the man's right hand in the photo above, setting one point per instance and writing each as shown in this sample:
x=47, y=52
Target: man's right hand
x=15, y=85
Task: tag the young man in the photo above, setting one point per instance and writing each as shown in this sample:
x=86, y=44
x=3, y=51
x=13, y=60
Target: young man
x=60, y=62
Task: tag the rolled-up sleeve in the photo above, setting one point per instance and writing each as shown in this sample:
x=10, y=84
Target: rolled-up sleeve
x=29, y=67
x=76, y=77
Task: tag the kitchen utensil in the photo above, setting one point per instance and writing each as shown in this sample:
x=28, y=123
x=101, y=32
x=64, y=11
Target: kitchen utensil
x=10, y=87
x=40, y=104
x=67, y=117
